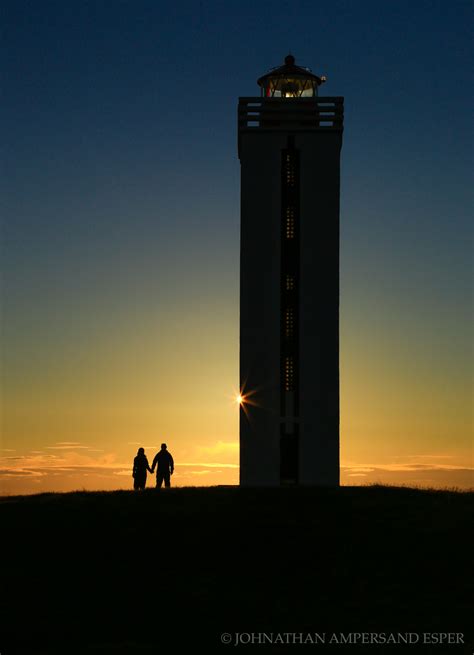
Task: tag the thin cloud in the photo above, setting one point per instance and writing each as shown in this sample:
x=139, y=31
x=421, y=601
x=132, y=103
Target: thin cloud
x=361, y=469
x=438, y=476
x=68, y=447
x=424, y=457
x=210, y=465
x=220, y=447
x=59, y=469
x=407, y=466
x=21, y=473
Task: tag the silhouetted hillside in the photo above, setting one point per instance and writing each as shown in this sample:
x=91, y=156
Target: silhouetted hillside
x=116, y=572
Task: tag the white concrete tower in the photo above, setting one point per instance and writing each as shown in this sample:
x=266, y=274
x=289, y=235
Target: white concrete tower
x=289, y=148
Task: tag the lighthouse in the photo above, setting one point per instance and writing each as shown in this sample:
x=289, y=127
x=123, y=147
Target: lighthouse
x=289, y=144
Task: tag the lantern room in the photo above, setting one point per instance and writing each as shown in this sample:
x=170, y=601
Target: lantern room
x=290, y=81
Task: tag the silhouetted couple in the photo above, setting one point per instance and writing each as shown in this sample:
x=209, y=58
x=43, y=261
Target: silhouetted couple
x=164, y=468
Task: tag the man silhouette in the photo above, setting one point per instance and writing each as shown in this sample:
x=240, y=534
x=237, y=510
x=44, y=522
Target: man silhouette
x=165, y=469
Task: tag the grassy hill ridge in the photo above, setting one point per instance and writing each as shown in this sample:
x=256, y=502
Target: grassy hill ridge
x=107, y=572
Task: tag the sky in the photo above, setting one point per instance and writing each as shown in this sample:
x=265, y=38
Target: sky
x=120, y=233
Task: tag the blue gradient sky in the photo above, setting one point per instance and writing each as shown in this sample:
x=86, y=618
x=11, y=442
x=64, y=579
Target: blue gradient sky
x=121, y=226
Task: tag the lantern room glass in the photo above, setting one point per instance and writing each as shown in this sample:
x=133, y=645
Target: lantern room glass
x=289, y=87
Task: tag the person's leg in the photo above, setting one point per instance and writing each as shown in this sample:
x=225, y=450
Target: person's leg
x=159, y=480
x=167, y=480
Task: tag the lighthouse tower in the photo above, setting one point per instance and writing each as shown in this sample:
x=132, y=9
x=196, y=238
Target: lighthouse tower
x=289, y=148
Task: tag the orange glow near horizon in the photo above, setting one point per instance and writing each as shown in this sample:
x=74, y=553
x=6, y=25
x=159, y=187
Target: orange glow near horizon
x=76, y=420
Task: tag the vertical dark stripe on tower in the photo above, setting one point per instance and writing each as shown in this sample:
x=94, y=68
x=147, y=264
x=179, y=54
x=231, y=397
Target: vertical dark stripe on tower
x=289, y=316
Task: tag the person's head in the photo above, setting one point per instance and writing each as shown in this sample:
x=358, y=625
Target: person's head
x=163, y=446
x=141, y=451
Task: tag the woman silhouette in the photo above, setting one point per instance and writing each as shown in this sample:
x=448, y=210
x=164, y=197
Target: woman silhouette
x=140, y=467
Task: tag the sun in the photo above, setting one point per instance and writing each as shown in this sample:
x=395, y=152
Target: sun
x=239, y=399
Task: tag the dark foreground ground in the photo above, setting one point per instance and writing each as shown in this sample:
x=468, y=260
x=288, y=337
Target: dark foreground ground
x=172, y=571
